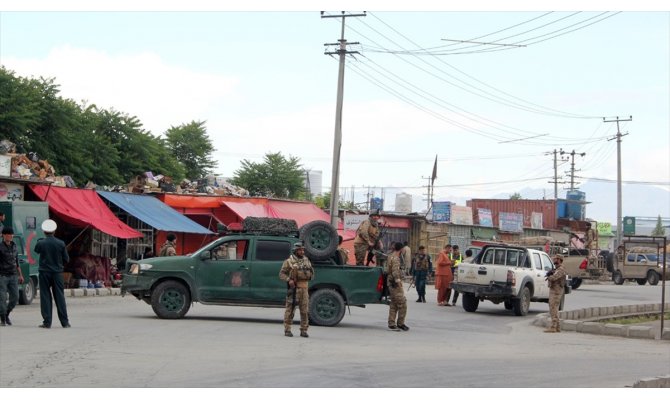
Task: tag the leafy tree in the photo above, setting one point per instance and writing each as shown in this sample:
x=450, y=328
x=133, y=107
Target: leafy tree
x=323, y=201
x=659, y=230
x=190, y=145
x=515, y=196
x=277, y=176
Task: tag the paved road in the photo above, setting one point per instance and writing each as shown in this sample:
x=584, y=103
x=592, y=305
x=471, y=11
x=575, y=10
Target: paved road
x=118, y=342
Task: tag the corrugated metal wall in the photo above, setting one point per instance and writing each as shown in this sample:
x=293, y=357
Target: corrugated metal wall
x=524, y=207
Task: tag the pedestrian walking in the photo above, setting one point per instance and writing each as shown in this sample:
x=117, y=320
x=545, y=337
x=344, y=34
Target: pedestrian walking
x=556, y=279
x=10, y=275
x=422, y=267
x=443, y=276
x=53, y=256
x=297, y=271
x=398, y=305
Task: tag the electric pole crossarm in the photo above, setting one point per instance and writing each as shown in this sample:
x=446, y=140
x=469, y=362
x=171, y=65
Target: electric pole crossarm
x=619, y=220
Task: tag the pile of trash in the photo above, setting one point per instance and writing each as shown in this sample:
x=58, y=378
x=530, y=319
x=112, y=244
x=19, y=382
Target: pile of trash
x=214, y=185
x=30, y=166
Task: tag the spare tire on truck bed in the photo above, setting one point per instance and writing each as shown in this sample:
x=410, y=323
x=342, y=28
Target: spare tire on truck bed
x=320, y=240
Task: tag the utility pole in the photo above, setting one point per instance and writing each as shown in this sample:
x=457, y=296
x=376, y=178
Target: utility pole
x=429, y=194
x=337, y=145
x=619, y=220
x=572, y=167
x=555, y=181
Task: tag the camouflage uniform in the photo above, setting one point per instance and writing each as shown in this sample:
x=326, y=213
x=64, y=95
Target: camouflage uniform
x=422, y=268
x=590, y=243
x=167, y=249
x=556, y=283
x=367, y=232
x=301, y=271
x=398, y=306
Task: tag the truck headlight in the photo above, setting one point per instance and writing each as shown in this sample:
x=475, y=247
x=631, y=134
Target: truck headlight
x=135, y=268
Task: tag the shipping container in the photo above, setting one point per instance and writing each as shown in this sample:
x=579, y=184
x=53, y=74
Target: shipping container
x=524, y=207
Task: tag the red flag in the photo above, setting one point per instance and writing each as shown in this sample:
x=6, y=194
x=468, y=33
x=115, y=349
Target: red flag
x=432, y=178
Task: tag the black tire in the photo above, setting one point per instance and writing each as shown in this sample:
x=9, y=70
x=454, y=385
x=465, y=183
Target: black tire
x=653, y=278
x=508, y=304
x=470, y=302
x=320, y=240
x=641, y=281
x=326, y=307
x=27, y=294
x=521, y=304
x=170, y=300
x=575, y=283
x=617, y=278
x=609, y=262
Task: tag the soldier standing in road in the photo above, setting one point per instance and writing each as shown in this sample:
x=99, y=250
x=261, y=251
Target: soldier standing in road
x=169, y=248
x=297, y=271
x=590, y=242
x=406, y=258
x=10, y=275
x=366, y=237
x=420, y=271
x=556, y=280
x=53, y=256
x=398, y=306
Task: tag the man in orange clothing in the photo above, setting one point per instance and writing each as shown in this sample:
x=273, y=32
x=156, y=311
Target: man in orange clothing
x=443, y=276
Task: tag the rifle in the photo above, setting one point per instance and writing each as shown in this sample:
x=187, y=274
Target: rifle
x=374, y=250
x=295, y=287
x=412, y=283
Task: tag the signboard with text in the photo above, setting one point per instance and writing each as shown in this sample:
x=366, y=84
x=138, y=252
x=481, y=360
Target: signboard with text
x=485, y=218
x=510, y=222
x=441, y=211
x=461, y=215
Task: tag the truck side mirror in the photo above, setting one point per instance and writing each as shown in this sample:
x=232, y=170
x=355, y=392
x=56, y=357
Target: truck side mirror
x=206, y=255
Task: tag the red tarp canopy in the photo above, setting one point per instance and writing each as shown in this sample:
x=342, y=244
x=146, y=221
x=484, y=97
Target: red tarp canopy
x=248, y=209
x=302, y=213
x=82, y=208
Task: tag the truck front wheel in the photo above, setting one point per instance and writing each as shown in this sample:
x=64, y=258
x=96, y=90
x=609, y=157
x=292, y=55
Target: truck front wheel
x=521, y=304
x=27, y=295
x=617, y=278
x=470, y=302
x=653, y=278
x=170, y=300
x=326, y=307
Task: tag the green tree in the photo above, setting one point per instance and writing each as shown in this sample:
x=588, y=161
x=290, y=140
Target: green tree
x=277, y=176
x=190, y=144
x=323, y=201
x=659, y=230
x=515, y=196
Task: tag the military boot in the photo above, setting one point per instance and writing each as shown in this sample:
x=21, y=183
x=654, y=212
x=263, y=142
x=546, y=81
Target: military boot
x=419, y=300
x=7, y=321
x=288, y=334
x=304, y=334
x=3, y=320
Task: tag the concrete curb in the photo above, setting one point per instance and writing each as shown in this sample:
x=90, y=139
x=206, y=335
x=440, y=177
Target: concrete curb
x=587, y=320
x=655, y=383
x=86, y=292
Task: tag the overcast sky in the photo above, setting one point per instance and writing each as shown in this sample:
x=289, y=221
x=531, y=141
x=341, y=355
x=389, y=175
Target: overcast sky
x=490, y=112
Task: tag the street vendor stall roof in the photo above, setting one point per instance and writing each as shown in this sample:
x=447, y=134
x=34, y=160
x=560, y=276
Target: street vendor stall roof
x=154, y=213
x=83, y=208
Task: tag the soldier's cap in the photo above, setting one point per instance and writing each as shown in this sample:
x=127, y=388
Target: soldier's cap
x=559, y=256
x=298, y=245
x=7, y=230
x=49, y=226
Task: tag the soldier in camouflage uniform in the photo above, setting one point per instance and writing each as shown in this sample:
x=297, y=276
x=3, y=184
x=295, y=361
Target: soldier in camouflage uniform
x=297, y=271
x=556, y=279
x=366, y=237
x=398, y=306
x=590, y=242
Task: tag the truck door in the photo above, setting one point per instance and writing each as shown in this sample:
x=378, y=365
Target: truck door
x=269, y=255
x=223, y=273
x=541, y=288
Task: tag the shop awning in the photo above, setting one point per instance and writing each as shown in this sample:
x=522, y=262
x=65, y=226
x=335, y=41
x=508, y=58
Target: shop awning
x=248, y=209
x=83, y=208
x=154, y=213
x=302, y=213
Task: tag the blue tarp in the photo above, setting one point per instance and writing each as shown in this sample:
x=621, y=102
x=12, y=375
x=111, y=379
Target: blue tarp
x=154, y=213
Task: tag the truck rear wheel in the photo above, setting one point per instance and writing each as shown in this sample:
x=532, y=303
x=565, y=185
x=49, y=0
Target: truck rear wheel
x=27, y=295
x=521, y=304
x=617, y=278
x=170, y=300
x=470, y=302
x=326, y=307
x=653, y=278
x=575, y=282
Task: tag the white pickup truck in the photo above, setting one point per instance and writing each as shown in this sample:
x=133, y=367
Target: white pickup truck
x=512, y=275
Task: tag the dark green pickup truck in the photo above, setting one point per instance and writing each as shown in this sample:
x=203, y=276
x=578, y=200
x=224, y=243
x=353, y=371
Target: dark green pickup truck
x=243, y=269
